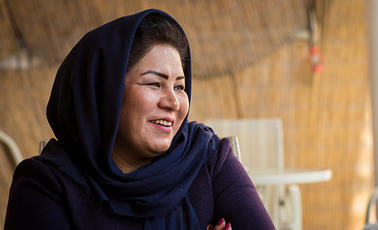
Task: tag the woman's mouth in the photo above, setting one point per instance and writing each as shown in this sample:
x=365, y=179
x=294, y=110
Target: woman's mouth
x=163, y=125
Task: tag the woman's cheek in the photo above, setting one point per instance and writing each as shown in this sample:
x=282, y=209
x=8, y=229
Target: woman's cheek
x=184, y=104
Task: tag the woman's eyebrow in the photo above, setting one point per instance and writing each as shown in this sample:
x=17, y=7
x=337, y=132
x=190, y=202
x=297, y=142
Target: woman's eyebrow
x=156, y=73
x=161, y=74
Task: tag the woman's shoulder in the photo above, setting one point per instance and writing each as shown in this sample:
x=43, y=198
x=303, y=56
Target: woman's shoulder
x=40, y=175
x=34, y=174
x=216, y=159
x=31, y=168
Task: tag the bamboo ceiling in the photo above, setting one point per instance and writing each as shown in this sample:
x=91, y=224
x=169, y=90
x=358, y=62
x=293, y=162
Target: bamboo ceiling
x=225, y=35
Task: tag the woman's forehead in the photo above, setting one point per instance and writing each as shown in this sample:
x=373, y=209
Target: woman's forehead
x=161, y=58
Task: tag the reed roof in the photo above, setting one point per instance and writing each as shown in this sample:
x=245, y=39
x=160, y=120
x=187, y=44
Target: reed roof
x=224, y=35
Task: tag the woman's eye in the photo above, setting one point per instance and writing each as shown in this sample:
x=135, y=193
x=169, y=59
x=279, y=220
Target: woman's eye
x=180, y=87
x=156, y=84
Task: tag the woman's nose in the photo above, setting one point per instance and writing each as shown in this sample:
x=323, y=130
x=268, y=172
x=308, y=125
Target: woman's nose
x=169, y=100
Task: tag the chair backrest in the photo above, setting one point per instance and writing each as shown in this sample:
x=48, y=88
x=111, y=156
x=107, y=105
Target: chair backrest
x=14, y=151
x=235, y=146
x=260, y=140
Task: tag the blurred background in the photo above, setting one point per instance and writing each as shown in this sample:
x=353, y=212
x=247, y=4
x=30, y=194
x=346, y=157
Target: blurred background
x=303, y=61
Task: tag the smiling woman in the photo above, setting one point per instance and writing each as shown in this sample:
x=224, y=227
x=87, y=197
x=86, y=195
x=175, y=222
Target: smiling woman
x=154, y=88
x=125, y=155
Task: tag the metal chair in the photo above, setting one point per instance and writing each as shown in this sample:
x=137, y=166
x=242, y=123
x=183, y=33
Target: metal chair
x=14, y=151
x=372, y=202
x=261, y=147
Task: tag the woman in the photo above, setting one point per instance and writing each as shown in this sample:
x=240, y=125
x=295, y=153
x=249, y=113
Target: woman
x=125, y=156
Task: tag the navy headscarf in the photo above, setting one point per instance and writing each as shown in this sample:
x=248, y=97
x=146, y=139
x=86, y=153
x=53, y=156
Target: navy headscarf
x=84, y=110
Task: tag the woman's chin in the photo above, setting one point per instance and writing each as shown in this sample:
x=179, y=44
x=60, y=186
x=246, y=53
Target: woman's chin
x=161, y=148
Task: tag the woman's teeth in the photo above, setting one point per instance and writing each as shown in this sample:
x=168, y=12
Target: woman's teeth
x=162, y=122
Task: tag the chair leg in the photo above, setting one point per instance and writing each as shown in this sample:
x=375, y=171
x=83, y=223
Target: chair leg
x=268, y=195
x=294, y=197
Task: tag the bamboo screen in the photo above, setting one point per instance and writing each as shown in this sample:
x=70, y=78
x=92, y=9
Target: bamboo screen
x=326, y=116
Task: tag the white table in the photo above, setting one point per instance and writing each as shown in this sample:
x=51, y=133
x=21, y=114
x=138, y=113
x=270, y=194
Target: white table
x=289, y=176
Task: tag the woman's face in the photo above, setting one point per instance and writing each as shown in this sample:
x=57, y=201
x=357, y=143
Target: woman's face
x=154, y=103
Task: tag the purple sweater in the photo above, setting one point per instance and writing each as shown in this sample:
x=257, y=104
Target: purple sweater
x=43, y=198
